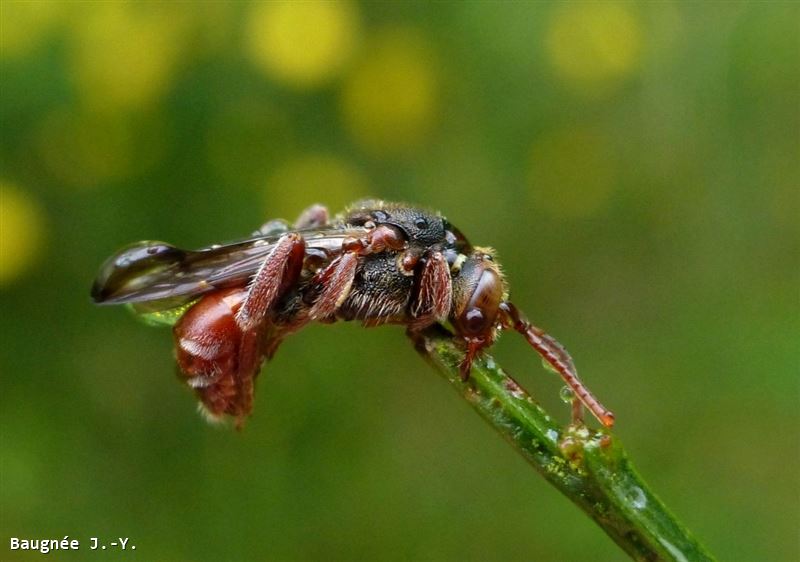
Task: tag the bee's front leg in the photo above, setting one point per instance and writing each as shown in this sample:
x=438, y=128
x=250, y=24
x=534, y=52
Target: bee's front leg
x=557, y=357
x=433, y=297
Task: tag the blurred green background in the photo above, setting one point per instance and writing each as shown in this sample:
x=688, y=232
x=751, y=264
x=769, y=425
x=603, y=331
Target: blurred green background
x=636, y=166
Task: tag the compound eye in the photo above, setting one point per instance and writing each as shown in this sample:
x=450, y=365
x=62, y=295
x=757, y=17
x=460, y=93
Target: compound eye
x=474, y=321
x=481, y=310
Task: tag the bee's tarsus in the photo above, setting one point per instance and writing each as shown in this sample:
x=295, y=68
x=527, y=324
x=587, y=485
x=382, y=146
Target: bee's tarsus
x=557, y=357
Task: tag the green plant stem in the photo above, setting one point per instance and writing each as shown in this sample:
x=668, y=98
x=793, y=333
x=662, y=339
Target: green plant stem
x=589, y=466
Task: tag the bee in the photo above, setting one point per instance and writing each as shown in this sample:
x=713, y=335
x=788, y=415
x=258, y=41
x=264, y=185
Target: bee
x=377, y=263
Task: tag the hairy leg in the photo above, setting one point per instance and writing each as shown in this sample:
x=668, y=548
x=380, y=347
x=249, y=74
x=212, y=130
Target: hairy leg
x=434, y=293
x=277, y=275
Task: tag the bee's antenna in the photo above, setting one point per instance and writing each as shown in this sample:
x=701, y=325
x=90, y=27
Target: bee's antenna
x=558, y=358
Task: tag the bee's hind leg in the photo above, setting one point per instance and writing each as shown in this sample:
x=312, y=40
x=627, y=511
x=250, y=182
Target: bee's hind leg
x=278, y=274
x=332, y=285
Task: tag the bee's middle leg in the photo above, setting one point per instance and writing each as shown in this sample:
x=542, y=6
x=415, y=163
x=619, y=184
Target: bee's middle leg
x=335, y=281
x=313, y=217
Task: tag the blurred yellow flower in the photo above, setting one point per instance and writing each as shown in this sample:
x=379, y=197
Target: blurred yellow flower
x=122, y=57
x=25, y=24
x=594, y=46
x=390, y=100
x=572, y=173
x=302, y=44
x=21, y=232
x=313, y=178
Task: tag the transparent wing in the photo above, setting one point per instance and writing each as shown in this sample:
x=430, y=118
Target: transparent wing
x=155, y=271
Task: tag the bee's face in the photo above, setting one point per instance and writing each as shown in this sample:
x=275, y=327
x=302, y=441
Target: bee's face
x=478, y=290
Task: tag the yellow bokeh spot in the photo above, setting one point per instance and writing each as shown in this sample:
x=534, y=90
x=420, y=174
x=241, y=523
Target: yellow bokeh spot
x=313, y=178
x=21, y=232
x=23, y=25
x=302, y=44
x=390, y=100
x=572, y=173
x=593, y=46
x=122, y=57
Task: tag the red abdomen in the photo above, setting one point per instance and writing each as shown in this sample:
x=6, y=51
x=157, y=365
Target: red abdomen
x=207, y=342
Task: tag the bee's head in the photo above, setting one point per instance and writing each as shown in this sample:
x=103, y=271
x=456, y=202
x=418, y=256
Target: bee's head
x=478, y=290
